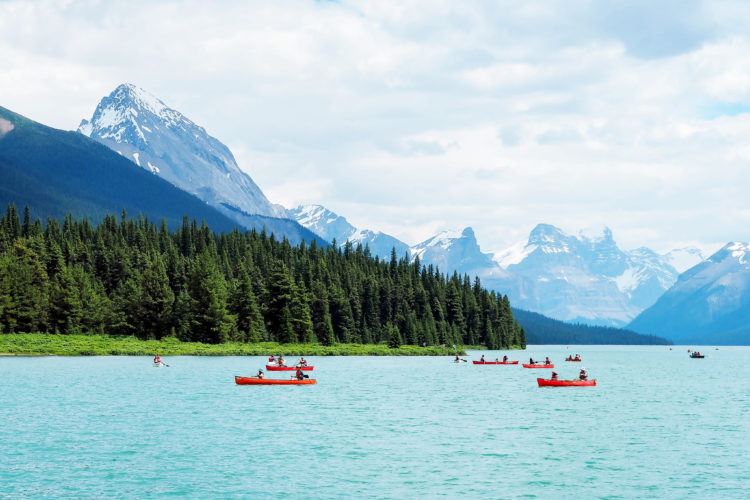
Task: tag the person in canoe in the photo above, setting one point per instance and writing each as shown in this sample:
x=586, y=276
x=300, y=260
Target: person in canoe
x=157, y=360
x=271, y=359
x=583, y=375
x=554, y=376
x=547, y=361
x=302, y=361
x=260, y=374
x=577, y=358
x=280, y=360
x=457, y=360
x=505, y=358
x=299, y=375
x=532, y=362
x=481, y=360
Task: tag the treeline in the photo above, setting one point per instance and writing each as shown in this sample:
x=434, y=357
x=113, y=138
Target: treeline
x=543, y=330
x=132, y=277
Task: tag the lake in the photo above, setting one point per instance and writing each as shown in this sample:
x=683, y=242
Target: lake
x=658, y=425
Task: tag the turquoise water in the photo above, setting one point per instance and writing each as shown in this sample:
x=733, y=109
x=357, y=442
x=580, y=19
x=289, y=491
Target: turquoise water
x=658, y=425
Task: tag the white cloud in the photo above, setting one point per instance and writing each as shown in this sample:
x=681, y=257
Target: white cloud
x=413, y=116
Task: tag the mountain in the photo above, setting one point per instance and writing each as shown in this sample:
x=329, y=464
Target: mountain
x=56, y=172
x=160, y=139
x=709, y=303
x=456, y=251
x=331, y=226
x=540, y=329
x=585, y=278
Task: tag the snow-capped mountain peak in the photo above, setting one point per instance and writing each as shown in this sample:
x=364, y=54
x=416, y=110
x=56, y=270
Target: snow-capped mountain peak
x=323, y=222
x=452, y=250
x=331, y=226
x=141, y=127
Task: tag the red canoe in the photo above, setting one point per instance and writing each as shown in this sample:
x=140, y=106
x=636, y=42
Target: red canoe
x=271, y=381
x=495, y=362
x=277, y=368
x=565, y=383
x=526, y=365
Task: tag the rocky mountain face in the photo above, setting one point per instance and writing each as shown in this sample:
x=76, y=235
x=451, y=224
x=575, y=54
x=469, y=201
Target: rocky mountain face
x=163, y=141
x=709, y=303
x=331, y=226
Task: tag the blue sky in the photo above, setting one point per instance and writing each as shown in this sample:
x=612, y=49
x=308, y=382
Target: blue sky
x=411, y=117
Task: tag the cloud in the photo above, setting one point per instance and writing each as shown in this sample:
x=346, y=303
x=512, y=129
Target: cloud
x=409, y=117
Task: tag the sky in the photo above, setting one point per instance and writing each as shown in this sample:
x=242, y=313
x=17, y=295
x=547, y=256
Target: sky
x=411, y=117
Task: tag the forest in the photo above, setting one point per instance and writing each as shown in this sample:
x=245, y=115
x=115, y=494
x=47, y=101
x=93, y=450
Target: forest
x=133, y=277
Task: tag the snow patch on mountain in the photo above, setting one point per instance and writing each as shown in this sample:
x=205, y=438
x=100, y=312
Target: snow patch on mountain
x=5, y=126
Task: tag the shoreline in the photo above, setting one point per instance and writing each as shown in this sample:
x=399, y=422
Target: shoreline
x=40, y=344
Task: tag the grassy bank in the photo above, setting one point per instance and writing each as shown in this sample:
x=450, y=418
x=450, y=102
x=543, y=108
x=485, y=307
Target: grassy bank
x=31, y=344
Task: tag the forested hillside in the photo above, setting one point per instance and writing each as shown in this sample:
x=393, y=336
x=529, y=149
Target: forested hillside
x=132, y=277
x=540, y=329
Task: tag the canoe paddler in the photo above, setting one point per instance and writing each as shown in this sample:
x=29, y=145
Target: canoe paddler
x=531, y=361
x=583, y=375
x=260, y=374
x=271, y=358
x=547, y=361
x=554, y=376
x=302, y=361
x=481, y=360
x=280, y=360
x=299, y=375
x=157, y=360
x=505, y=358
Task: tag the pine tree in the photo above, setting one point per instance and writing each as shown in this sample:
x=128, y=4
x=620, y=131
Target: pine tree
x=394, y=336
x=213, y=323
x=321, y=316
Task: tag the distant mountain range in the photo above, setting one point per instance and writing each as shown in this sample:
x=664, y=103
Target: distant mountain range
x=585, y=278
x=709, y=303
